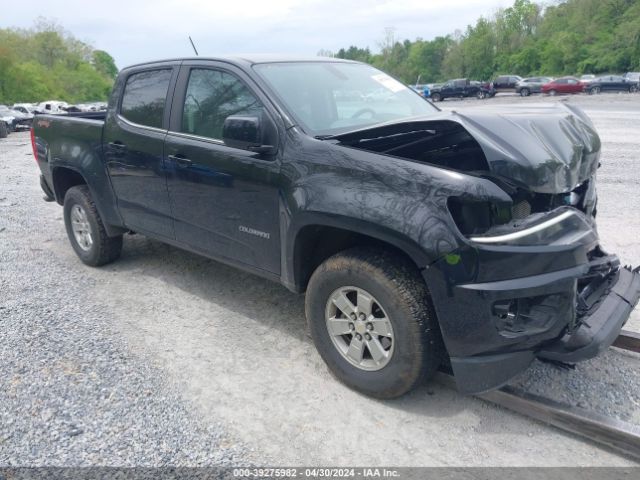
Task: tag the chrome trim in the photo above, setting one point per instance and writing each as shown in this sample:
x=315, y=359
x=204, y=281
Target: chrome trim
x=196, y=137
x=137, y=125
x=523, y=233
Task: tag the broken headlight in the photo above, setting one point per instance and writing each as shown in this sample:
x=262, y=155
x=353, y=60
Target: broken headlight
x=474, y=218
x=562, y=226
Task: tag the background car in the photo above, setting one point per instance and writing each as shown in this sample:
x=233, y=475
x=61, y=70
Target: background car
x=611, y=83
x=632, y=77
x=505, y=83
x=15, y=119
x=563, y=85
x=28, y=108
x=527, y=86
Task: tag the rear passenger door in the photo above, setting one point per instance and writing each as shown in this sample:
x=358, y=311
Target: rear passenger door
x=225, y=200
x=133, y=144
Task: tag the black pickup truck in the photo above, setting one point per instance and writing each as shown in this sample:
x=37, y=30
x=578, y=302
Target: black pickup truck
x=421, y=238
x=460, y=88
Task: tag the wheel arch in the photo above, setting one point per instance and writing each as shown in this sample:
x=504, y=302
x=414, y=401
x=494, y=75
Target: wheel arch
x=319, y=237
x=65, y=177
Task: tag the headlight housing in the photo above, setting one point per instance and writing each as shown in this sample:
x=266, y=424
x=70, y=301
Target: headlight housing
x=562, y=226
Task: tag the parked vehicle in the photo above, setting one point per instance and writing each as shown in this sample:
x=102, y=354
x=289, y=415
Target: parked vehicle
x=458, y=88
x=53, y=107
x=527, y=86
x=14, y=119
x=4, y=129
x=418, y=235
x=505, y=83
x=27, y=108
x=611, y=83
x=563, y=85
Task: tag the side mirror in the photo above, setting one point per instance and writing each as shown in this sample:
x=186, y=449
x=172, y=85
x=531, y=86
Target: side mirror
x=256, y=133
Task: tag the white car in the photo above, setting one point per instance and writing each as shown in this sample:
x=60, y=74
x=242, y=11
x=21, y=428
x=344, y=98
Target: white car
x=53, y=107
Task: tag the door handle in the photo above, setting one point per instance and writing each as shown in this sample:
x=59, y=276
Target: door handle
x=181, y=161
x=117, y=145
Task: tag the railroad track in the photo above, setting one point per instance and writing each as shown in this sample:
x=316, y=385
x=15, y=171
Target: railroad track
x=622, y=437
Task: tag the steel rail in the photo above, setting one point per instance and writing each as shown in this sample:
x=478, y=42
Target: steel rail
x=617, y=435
x=628, y=340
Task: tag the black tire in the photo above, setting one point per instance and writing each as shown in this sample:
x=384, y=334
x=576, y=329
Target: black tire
x=525, y=92
x=104, y=249
x=436, y=97
x=4, y=130
x=401, y=292
x=594, y=91
x=553, y=93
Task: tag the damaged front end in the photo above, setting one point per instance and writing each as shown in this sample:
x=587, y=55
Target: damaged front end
x=528, y=278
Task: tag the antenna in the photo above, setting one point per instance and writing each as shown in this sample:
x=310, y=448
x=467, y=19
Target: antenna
x=194, y=47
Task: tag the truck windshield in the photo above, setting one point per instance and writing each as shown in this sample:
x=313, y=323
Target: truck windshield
x=329, y=98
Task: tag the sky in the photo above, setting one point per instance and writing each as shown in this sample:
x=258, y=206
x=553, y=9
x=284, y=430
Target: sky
x=136, y=31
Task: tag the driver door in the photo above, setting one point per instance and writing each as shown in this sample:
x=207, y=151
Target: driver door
x=225, y=201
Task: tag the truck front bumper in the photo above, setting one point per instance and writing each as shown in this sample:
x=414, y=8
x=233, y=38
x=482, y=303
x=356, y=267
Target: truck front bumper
x=501, y=306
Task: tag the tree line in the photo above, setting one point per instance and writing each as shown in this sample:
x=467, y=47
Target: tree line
x=46, y=63
x=565, y=38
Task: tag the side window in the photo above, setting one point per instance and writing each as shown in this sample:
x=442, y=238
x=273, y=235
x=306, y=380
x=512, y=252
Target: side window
x=144, y=97
x=211, y=97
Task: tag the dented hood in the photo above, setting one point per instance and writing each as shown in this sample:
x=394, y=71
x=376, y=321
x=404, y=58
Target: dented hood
x=551, y=148
x=547, y=148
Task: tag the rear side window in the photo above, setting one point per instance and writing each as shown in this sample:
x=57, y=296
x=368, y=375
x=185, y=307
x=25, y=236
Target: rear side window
x=212, y=96
x=144, y=97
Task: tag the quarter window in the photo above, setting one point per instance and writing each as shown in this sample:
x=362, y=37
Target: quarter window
x=211, y=97
x=144, y=97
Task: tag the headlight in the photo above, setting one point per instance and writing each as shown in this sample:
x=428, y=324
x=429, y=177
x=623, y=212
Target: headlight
x=563, y=226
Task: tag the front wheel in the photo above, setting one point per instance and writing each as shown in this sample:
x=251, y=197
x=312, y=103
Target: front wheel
x=86, y=231
x=481, y=95
x=371, y=320
x=553, y=93
x=633, y=89
x=524, y=92
x=436, y=97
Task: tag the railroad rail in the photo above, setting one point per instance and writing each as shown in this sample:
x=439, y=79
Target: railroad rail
x=619, y=436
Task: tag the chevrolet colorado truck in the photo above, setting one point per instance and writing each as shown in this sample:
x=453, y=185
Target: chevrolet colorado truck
x=420, y=237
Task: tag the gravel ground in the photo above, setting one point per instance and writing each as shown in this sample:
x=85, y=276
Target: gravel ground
x=72, y=392
x=168, y=358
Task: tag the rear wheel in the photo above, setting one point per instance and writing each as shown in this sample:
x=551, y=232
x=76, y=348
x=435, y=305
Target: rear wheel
x=553, y=93
x=525, y=92
x=436, y=97
x=633, y=89
x=371, y=320
x=594, y=91
x=86, y=231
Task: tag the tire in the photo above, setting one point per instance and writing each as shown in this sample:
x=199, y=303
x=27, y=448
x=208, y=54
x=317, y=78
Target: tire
x=553, y=93
x=4, y=130
x=633, y=89
x=525, y=92
x=594, y=91
x=436, y=97
x=101, y=249
x=481, y=95
x=414, y=346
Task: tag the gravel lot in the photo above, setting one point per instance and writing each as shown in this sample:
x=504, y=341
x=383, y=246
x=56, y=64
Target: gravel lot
x=166, y=358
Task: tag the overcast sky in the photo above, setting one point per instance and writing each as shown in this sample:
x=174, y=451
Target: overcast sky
x=134, y=31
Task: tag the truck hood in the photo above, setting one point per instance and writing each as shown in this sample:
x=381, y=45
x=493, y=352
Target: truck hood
x=545, y=148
